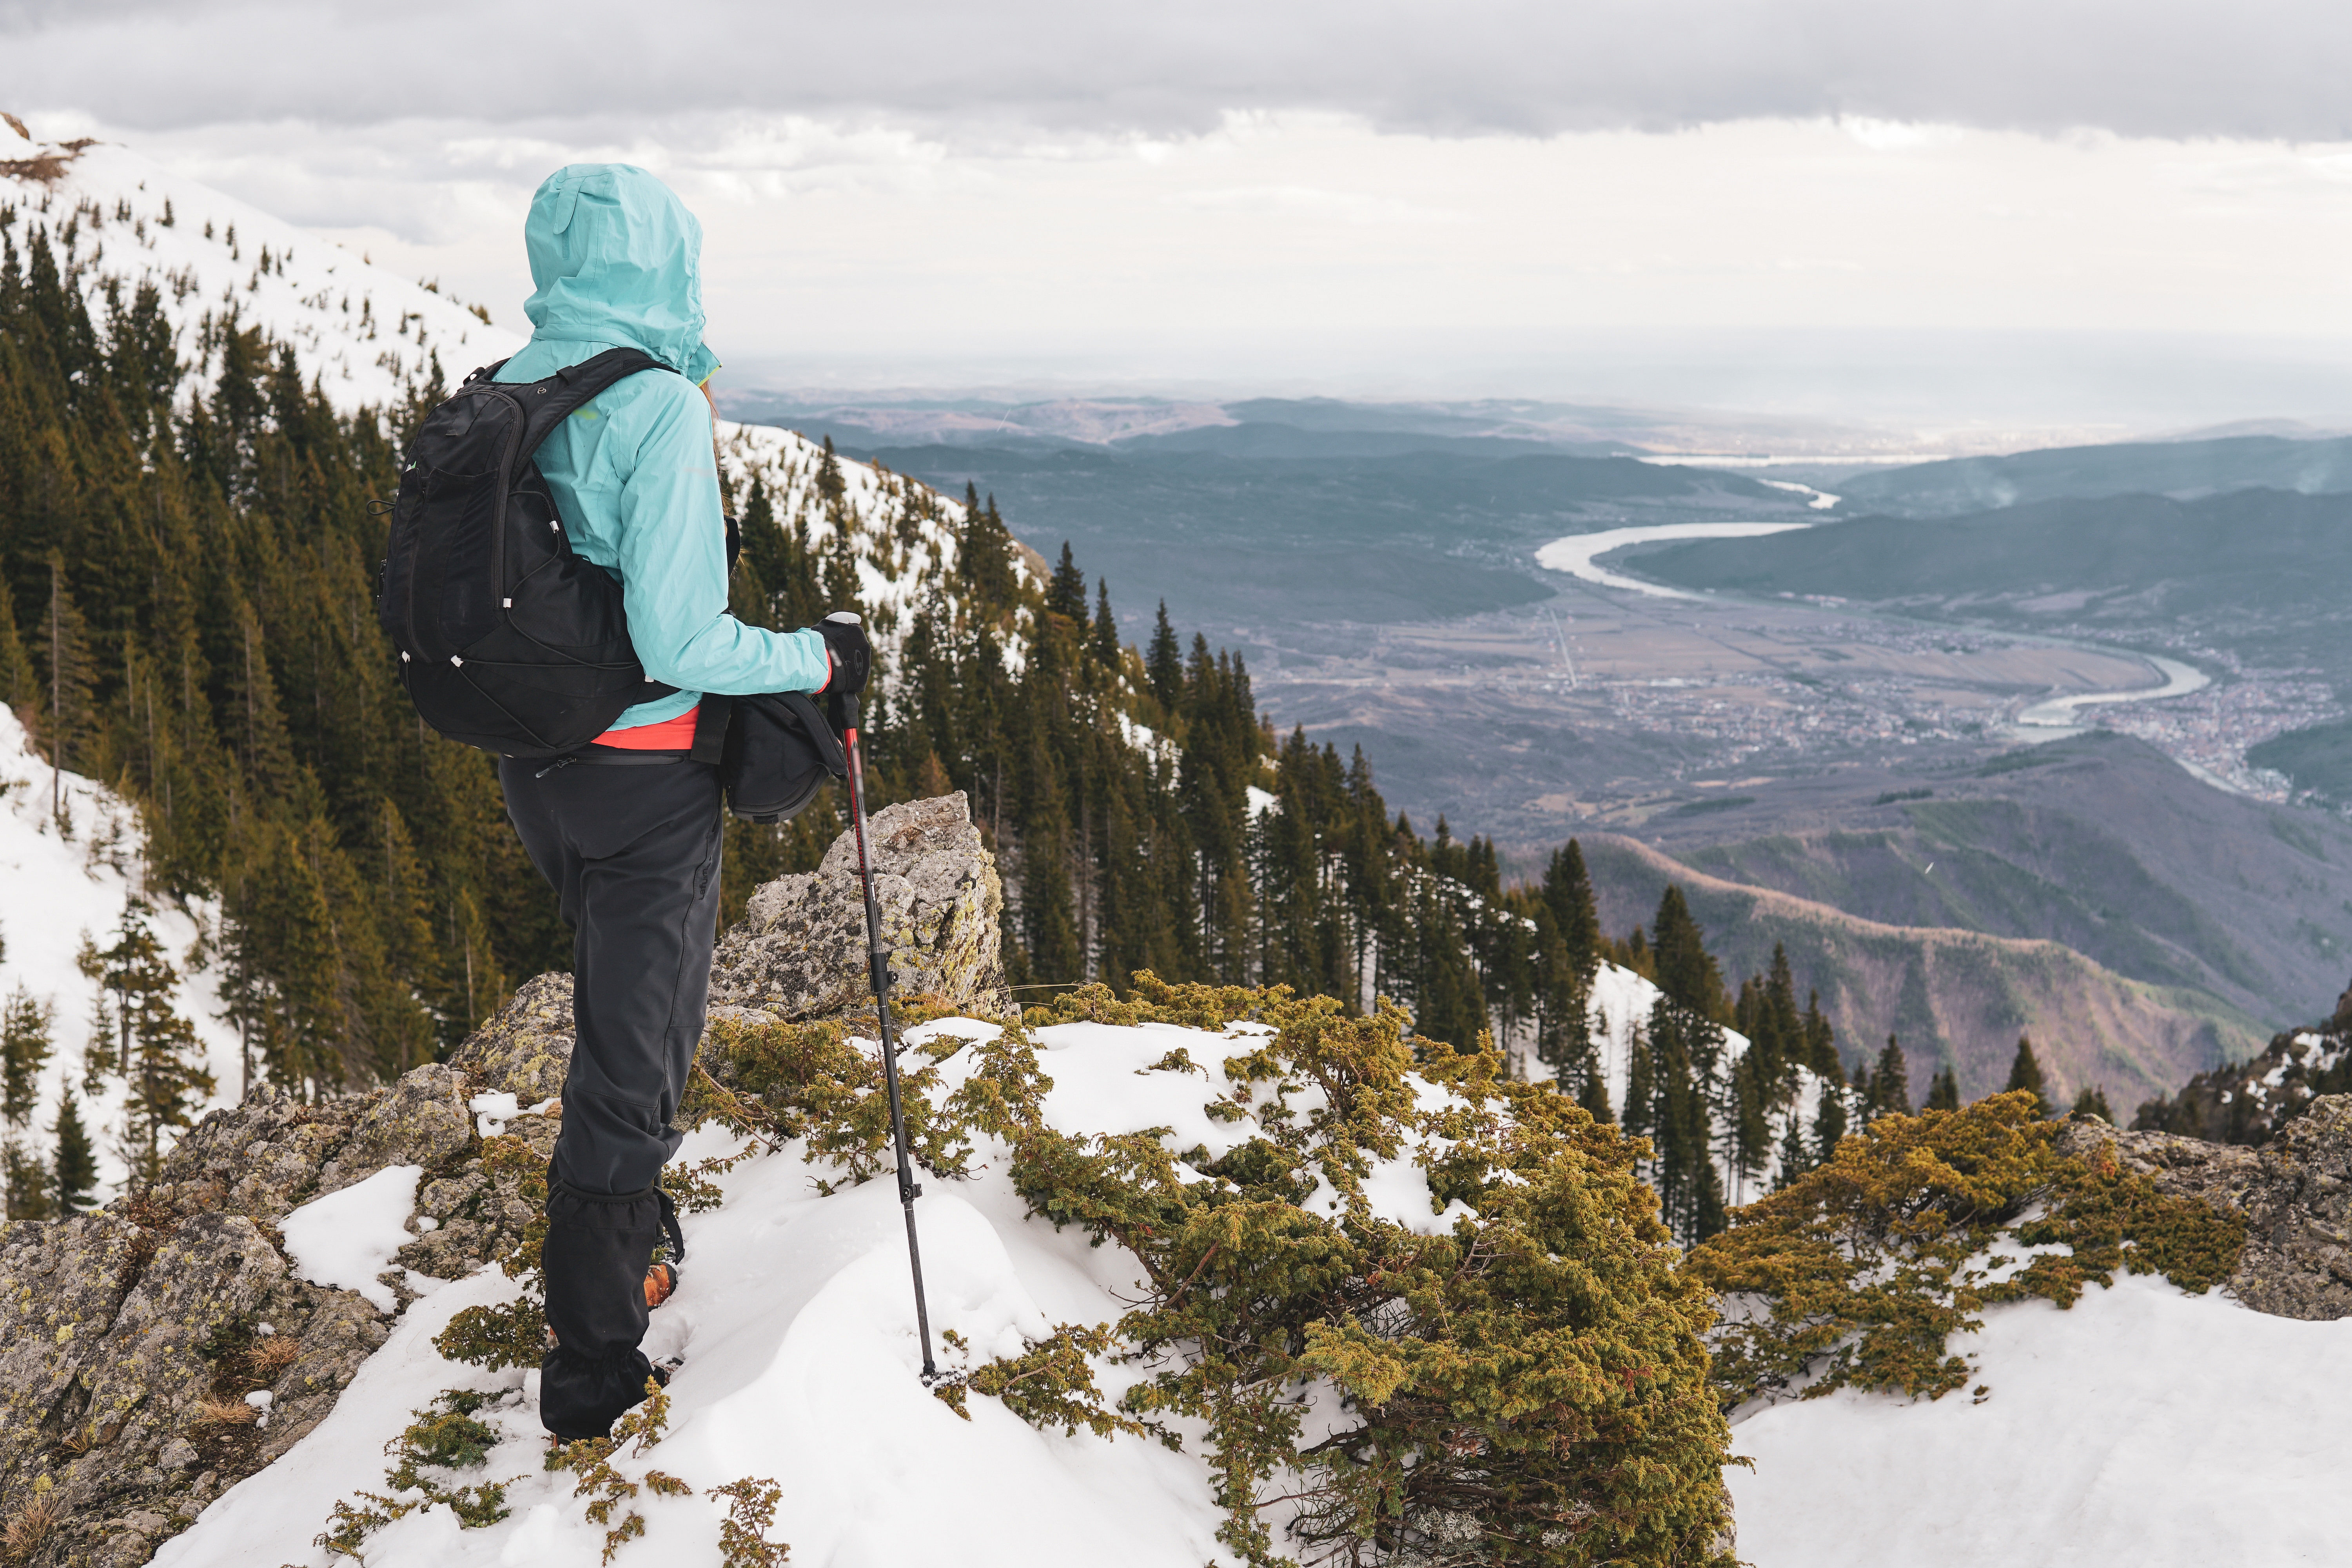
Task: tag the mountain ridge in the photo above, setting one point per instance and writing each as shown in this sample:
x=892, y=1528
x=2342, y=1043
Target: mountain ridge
x=1954, y=997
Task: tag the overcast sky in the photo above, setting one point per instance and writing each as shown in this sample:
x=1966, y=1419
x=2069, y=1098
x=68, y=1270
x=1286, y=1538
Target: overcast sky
x=1372, y=195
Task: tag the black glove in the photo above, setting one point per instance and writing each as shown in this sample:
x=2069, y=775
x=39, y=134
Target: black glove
x=853, y=656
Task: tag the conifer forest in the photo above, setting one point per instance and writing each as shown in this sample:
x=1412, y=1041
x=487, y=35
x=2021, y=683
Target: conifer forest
x=189, y=563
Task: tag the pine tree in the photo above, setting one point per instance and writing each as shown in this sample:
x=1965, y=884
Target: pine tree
x=30, y=1187
x=20, y=684
x=841, y=582
x=1944, y=1090
x=830, y=486
x=1567, y=891
x=2093, y=1101
x=984, y=558
x=62, y=649
x=1164, y=664
x=1794, y=1159
x=1890, y=1084
x=74, y=1171
x=162, y=1060
x=1821, y=1042
x=1752, y=1125
x=26, y=1045
x=1105, y=644
x=2025, y=1073
x=1065, y=592
x=1686, y=971
x=1779, y=1030
x=1829, y=1119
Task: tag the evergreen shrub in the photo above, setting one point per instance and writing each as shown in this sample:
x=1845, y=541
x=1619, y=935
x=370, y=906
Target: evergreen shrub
x=1526, y=1386
x=1858, y=1274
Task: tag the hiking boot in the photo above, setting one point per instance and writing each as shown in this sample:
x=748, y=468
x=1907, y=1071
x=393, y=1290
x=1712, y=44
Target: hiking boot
x=661, y=1284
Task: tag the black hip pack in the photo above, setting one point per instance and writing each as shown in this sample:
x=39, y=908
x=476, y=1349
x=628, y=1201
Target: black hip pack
x=774, y=750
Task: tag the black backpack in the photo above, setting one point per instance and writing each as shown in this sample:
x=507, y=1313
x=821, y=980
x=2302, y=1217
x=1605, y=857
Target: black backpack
x=507, y=640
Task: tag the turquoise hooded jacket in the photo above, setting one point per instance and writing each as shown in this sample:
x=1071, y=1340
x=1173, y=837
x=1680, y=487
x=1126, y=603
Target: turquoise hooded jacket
x=616, y=262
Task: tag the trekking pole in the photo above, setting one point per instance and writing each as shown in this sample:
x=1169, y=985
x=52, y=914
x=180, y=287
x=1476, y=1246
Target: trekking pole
x=878, y=965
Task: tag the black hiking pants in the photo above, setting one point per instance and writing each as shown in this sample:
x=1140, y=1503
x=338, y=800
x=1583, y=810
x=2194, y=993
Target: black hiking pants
x=633, y=854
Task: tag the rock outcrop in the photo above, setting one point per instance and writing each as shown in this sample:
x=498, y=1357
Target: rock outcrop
x=2250, y=1102
x=799, y=951
x=128, y=1339
x=2295, y=1193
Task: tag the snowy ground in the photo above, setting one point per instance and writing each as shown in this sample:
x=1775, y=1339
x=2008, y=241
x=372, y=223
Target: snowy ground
x=795, y=1317
x=2144, y=1427
x=56, y=889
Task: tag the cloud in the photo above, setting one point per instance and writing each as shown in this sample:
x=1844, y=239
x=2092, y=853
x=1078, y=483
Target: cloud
x=2258, y=69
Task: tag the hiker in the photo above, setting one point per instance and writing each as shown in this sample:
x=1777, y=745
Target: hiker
x=628, y=828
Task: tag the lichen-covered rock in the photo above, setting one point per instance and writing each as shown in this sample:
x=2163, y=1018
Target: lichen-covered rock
x=261, y=1158
x=799, y=951
x=526, y=1046
x=61, y=1286
x=2295, y=1193
x=420, y=1121
x=202, y=1282
x=477, y=1215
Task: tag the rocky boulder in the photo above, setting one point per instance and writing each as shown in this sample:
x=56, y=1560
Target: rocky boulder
x=799, y=951
x=2295, y=1193
x=526, y=1046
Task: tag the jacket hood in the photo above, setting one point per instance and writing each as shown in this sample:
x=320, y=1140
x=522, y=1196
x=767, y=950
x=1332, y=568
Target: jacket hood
x=615, y=258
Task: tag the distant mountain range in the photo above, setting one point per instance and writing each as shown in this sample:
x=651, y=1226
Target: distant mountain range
x=2182, y=471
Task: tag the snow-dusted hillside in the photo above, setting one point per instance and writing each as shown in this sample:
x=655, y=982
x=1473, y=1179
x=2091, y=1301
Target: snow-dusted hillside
x=1622, y=1001
x=57, y=890
x=369, y=338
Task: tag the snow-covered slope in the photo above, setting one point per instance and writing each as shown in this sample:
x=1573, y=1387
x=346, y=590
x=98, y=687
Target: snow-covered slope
x=797, y=1323
x=60, y=888
x=2145, y=1426
x=363, y=333
x=1622, y=1001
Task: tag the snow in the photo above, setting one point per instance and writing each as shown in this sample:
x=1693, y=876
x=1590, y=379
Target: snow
x=2145, y=1426
x=55, y=889
x=492, y=1112
x=314, y=296
x=347, y=1238
x=795, y=1317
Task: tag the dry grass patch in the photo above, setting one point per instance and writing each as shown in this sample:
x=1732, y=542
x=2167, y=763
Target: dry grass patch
x=31, y=1526
x=226, y=1412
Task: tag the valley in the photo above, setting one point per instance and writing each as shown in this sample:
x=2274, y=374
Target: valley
x=2054, y=725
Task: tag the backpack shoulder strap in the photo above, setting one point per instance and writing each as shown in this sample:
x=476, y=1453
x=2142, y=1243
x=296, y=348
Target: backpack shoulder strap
x=547, y=403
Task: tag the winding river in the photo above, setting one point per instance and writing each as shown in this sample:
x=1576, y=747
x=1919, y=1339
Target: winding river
x=1578, y=556
x=2058, y=712
x=1576, y=553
